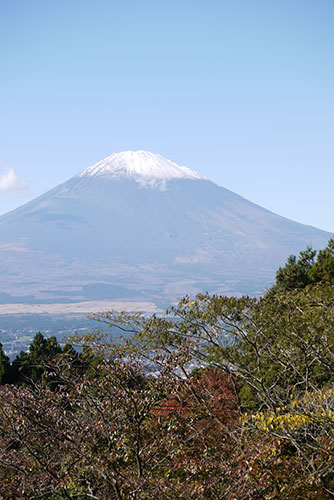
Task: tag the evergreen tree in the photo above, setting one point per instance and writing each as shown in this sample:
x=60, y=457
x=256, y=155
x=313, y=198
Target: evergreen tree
x=310, y=268
x=31, y=366
x=323, y=269
x=296, y=272
x=4, y=366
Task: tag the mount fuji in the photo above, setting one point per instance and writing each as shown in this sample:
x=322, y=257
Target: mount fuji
x=137, y=226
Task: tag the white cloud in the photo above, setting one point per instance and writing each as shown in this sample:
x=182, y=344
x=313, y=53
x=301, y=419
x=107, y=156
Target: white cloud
x=10, y=184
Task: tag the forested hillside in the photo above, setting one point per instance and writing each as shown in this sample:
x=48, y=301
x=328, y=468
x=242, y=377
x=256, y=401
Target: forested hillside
x=222, y=398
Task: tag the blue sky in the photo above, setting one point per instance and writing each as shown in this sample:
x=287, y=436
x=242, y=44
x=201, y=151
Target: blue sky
x=241, y=91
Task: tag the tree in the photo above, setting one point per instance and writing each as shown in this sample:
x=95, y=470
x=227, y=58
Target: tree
x=110, y=438
x=279, y=347
x=4, y=366
x=309, y=268
x=222, y=397
x=296, y=273
x=31, y=367
x=323, y=269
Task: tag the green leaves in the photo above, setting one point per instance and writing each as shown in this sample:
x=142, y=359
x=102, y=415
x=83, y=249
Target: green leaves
x=4, y=367
x=310, y=268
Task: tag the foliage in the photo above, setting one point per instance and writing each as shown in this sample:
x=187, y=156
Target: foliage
x=4, y=366
x=307, y=270
x=222, y=397
x=32, y=367
x=112, y=438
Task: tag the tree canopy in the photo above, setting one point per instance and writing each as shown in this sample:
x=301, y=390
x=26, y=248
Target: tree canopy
x=222, y=397
x=310, y=268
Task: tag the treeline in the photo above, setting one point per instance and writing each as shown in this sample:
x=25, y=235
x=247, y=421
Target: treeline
x=222, y=398
x=35, y=365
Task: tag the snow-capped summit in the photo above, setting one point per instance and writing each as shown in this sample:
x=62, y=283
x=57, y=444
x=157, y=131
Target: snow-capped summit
x=148, y=169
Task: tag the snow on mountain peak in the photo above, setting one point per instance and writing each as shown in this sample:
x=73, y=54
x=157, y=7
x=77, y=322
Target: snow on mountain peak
x=148, y=169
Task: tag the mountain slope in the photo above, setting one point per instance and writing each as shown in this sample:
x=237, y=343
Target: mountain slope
x=146, y=224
